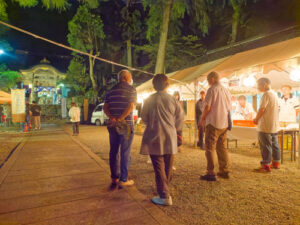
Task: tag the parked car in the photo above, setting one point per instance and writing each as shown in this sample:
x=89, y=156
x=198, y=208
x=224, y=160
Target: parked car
x=99, y=117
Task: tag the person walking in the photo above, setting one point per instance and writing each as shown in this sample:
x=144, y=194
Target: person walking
x=267, y=120
x=74, y=114
x=199, y=108
x=163, y=117
x=216, y=121
x=118, y=106
x=36, y=112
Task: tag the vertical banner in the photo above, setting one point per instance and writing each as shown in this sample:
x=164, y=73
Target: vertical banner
x=63, y=108
x=85, y=109
x=18, y=105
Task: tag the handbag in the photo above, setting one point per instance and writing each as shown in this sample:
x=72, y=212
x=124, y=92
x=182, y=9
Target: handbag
x=229, y=114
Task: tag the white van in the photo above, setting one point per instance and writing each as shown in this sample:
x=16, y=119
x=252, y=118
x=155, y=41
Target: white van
x=99, y=117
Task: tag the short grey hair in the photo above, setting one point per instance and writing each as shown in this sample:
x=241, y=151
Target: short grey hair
x=213, y=74
x=122, y=74
x=263, y=80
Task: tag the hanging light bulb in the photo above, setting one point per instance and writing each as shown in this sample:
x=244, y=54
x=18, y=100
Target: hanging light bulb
x=295, y=75
x=249, y=81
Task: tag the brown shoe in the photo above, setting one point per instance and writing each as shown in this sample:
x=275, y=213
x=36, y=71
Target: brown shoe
x=223, y=175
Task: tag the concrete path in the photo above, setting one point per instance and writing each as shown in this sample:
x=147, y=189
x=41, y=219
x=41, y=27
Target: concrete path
x=55, y=180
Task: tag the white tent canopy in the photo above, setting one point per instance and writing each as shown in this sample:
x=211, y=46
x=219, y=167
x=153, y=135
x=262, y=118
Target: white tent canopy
x=272, y=61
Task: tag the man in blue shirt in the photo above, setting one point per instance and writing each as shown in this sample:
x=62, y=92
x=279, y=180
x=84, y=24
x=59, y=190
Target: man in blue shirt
x=118, y=106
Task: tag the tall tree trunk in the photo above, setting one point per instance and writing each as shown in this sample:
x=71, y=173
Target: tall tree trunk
x=237, y=7
x=161, y=54
x=93, y=80
x=235, y=26
x=129, y=53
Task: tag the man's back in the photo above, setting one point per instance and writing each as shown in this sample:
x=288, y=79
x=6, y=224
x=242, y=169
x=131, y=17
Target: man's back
x=119, y=98
x=269, y=122
x=219, y=100
x=36, y=110
x=75, y=114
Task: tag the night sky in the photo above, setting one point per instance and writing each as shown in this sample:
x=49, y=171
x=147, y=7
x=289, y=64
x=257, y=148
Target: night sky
x=51, y=24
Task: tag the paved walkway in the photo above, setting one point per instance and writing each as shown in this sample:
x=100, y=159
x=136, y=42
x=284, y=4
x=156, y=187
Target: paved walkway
x=53, y=179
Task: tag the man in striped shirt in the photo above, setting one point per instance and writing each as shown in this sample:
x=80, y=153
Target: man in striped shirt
x=118, y=106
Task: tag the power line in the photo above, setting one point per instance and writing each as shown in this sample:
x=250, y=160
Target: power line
x=87, y=54
x=73, y=49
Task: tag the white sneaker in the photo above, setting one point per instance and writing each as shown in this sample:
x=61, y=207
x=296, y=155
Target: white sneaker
x=126, y=183
x=162, y=201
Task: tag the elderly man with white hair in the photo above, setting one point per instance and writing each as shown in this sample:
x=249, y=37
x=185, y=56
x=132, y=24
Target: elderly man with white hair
x=215, y=120
x=118, y=106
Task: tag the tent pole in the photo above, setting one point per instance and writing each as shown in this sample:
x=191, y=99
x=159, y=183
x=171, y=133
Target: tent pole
x=299, y=140
x=196, y=90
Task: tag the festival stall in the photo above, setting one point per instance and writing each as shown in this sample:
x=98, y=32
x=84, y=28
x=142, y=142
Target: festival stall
x=5, y=97
x=280, y=62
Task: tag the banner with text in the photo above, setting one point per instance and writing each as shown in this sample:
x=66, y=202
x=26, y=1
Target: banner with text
x=18, y=105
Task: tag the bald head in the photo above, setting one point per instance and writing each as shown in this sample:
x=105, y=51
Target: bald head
x=125, y=76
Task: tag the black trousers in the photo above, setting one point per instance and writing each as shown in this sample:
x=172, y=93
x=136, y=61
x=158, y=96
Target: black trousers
x=75, y=126
x=162, y=165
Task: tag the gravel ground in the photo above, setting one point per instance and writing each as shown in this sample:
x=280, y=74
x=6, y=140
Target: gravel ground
x=246, y=198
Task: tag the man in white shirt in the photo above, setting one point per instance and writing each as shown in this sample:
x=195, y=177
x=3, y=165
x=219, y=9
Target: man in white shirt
x=289, y=106
x=267, y=120
x=244, y=109
x=74, y=114
x=215, y=118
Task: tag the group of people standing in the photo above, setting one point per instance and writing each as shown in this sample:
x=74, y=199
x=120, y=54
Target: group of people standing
x=32, y=112
x=163, y=116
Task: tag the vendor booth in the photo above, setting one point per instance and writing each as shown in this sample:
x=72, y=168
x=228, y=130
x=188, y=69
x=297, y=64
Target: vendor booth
x=280, y=62
x=5, y=97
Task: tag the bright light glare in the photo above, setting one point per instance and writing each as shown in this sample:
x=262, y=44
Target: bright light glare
x=203, y=84
x=295, y=75
x=249, y=81
x=1, y=52
x=142, y=97
x=224, y=81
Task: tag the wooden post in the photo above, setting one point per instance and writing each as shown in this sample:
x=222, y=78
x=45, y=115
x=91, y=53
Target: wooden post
x=254, y=102
x=299, y=141
x=85, y=109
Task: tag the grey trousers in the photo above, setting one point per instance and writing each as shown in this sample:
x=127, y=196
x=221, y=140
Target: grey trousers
x=75, y=126
x=162, y=165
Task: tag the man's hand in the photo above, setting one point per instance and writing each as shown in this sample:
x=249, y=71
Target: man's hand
x=255, y=121
x=201, y=122
x=113, y=119
x=259, y=115
x=119, y=119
